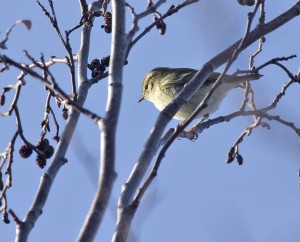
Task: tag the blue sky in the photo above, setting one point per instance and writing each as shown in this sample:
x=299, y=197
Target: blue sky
x=196, y=196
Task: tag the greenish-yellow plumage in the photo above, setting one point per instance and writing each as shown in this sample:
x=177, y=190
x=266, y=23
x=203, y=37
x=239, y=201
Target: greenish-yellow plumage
x=162, y=84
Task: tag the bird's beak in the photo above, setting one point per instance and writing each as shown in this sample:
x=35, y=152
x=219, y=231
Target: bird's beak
x=141, y=99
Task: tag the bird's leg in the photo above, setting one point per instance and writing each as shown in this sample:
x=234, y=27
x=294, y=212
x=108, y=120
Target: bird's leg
x=192, y=129
x=191, y=134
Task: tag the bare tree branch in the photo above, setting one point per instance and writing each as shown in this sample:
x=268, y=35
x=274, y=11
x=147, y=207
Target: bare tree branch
x=72, y=105
x=65, y=43
x=54, y=87
x=127, y=209
x=108, y=125
x=23, y=228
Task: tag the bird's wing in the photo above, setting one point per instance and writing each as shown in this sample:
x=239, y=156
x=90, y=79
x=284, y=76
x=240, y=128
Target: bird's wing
x=177, y=77
x=181, y=76
x=212, y=78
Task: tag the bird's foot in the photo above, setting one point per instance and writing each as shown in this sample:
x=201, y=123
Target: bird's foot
x=189, y=134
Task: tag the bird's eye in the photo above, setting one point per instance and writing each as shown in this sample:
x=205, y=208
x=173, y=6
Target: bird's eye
x=146, y=87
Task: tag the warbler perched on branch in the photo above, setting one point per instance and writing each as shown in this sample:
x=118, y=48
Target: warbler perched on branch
x=162, y=84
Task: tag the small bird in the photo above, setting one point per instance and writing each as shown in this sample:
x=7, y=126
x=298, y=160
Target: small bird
x=162, y=84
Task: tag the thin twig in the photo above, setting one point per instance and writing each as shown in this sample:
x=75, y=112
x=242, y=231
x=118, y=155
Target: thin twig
x=14, y=216
x=18, y=88
x=52, y=86
x=26, y=22
x=65, y=43
x=234, y=150
x=173, y=9
x=53, y=60
x=56, y=136
x=45, y=122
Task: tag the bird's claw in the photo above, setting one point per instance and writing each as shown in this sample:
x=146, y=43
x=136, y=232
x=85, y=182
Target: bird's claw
x=192, y=131
x=190, y=134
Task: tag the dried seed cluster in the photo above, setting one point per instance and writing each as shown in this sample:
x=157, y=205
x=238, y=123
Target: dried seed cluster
x=25, y=151
x=99, y=67
x=45, y=151
x=108, y=22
